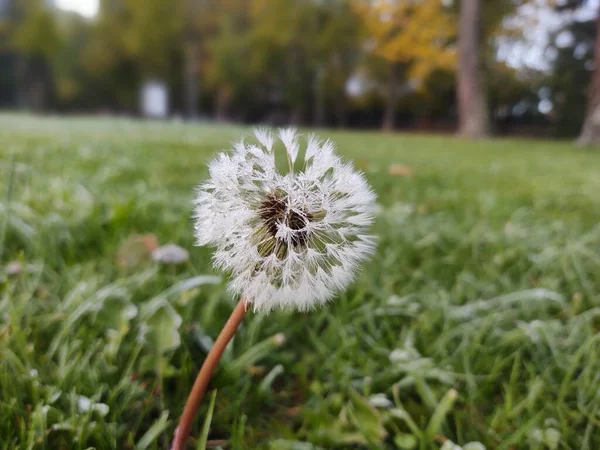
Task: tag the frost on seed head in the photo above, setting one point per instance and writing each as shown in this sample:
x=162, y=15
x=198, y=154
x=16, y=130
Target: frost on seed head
x=288, y=239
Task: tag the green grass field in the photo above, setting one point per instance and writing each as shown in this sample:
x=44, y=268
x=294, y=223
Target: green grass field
x=477, y=321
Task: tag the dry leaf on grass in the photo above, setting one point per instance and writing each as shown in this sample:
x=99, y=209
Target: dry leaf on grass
x=136, y=249
x=293, y=411
x=400, y=170
x=361, y=164
x=256, y=370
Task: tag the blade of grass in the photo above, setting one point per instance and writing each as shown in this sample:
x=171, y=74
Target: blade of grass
x=206, y=426
x=154, y=432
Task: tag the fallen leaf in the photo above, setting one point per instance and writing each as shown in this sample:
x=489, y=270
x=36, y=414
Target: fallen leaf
x=400, y=170
x=160, y=327
x=170, y=254
x=361, y=164
x=256, y=370
x=150, y=241
x=293, y=411
x=136, y=249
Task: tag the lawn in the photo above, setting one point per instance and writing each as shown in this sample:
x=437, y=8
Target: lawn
x=477, y=320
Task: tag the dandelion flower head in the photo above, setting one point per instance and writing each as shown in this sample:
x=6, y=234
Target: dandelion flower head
x=288, y=239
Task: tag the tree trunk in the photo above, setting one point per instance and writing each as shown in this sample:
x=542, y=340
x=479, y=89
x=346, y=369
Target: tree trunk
x=191, y=81
x=389, y=115
x=341, y=110
x=296, y=117
x=590, y=132
x=21, y=83
x=37, y=96
x=472, y=108
x=222, y=105
x=319, y=114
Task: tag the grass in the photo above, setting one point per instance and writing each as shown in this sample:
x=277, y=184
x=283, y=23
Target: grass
x=476, y=322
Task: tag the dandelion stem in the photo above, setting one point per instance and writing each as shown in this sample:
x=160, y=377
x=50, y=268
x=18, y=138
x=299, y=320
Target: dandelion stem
x=206, y=371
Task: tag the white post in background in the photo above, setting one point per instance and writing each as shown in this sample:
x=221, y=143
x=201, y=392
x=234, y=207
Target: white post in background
x=154, y=99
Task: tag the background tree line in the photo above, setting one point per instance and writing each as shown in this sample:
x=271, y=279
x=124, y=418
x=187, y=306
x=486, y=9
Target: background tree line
x=420, y=64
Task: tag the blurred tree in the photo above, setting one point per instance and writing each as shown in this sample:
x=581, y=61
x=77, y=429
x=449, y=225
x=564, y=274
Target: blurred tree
x=513, y=98
x=570, y=75
x=577, y=64
x=290, y=59
x=152, y=34
x=286, y=40
x=36, y=38
x=133, y=41
x=415, y=38
x=197, y=17
x=336, y=52
x=472, y=106
x=276, y=61
x=590, y=132
x=71, y=81
x=229, y=68
x=112, y=70
x=9, y=87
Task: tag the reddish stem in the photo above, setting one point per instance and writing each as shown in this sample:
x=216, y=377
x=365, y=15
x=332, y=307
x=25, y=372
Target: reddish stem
x=206, y=371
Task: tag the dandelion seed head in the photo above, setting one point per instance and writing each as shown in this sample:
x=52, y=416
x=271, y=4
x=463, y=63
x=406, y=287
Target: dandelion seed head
x=288, y=239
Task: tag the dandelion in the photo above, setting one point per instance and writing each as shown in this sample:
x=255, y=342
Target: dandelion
x=287, y=238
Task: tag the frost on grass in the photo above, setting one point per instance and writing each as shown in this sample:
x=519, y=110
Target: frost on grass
x=289, y=239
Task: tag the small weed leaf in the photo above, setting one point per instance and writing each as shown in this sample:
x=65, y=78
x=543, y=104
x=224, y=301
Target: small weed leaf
x=160, y=329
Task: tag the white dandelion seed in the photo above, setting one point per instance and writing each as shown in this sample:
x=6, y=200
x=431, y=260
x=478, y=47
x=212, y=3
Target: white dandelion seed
x=288, y=239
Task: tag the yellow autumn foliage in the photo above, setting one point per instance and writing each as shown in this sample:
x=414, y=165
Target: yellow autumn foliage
x=418, y=33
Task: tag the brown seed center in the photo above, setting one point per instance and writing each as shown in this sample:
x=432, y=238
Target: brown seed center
x=274, y=209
